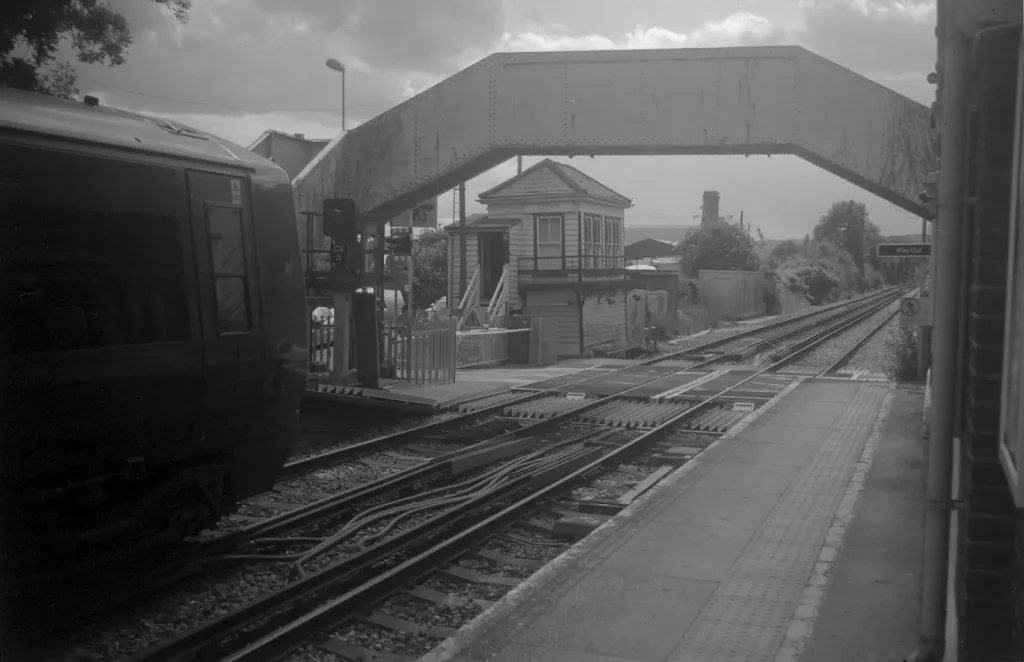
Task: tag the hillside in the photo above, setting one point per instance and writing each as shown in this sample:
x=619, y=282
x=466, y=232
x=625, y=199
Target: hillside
x=669, y=233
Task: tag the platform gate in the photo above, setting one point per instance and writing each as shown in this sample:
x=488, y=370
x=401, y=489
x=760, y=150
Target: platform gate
x=423, y=353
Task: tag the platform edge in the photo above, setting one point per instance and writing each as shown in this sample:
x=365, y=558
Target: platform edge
x=449, y=648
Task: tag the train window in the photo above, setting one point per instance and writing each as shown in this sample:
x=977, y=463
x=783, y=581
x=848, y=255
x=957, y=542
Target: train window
x=227, y=247
x=76, y=279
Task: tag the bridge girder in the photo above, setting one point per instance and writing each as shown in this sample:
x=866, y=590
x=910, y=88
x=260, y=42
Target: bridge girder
x=763, y=100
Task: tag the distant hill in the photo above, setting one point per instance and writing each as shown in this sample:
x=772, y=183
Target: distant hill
x=669, y=233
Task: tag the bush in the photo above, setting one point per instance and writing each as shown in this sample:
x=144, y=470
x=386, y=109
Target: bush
x=810, y=280
x=901, y=343
x=871, y=280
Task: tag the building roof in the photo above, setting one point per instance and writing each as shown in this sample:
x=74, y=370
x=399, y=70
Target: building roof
x=298, y=136
x=574, y=181
x=40, y=114
x=648, y=248
x=483, y=221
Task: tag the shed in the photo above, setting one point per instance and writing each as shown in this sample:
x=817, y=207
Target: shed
x=648, y=248
x=732, y=294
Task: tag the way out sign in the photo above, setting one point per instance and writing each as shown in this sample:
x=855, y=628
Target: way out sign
x=904, y=250
x=916, y=311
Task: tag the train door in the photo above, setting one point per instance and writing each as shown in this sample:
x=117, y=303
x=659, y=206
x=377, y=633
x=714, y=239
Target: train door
x=229, y=295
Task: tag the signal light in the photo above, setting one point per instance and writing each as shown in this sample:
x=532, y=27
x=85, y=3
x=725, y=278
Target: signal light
x=340, y=219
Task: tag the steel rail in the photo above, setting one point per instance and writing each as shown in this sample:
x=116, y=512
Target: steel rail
x=289, y=635
x=200, y=641
x=192, y=561
x=801, y=349
x=842, y=360
x=307, y=464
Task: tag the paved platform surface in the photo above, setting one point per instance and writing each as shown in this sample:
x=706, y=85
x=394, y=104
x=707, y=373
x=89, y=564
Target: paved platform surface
x=729, y=559
x=871, y=610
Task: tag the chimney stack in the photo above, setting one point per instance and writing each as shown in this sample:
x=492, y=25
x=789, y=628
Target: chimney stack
x=710, y=206
x=300, y=136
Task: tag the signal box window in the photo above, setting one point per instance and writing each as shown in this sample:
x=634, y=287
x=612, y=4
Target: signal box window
x=227, y=248
x=549, y=242
x=78, y=279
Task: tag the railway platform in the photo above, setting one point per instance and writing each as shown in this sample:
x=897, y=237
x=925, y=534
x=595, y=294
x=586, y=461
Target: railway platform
x=794, y=537
x=469, y=384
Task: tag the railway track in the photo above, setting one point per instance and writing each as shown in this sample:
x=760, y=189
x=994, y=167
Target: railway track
x=532, y=447
x=452, y=548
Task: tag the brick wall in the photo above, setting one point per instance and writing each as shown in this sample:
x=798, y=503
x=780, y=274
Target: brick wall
x=991, y=542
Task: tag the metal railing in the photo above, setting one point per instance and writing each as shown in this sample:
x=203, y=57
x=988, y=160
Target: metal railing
x=423, y=354
x=585, y=262
x=321, y=346
x=484, y=347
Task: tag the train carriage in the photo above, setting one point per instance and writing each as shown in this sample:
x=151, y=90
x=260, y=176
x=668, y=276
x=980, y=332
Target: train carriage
x=154, y=331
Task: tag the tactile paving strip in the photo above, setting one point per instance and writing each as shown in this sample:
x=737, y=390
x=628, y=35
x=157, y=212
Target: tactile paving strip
x=552, y=405
x=747, y=616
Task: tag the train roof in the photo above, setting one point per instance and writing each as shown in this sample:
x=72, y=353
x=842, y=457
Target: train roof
x=40, y=114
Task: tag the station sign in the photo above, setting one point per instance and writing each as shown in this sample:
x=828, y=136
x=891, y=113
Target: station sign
x=904, y=250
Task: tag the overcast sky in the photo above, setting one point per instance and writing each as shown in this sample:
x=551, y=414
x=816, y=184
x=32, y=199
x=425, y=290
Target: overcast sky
x=242, y=66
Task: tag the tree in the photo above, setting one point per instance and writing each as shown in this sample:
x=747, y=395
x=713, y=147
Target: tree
x=430, y=281
x=782, y=252
x=822, y=272
x=846, y=225
x=98, y=34
x=717, y=245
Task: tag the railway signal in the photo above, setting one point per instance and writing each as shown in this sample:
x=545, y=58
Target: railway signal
x=340, y=224
x=340, y=219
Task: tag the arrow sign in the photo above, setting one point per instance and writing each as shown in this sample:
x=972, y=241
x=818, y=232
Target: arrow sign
x=904, y=250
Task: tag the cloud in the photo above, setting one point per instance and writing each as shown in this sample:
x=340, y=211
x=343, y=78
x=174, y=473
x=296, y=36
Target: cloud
x=265, y=57
x=884, y=40
x=240, y=67
x=259, y=56
x=739, y=29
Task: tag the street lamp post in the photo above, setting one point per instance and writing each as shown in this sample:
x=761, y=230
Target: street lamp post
x=342, y=300
x=338, y=66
